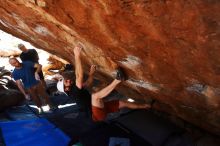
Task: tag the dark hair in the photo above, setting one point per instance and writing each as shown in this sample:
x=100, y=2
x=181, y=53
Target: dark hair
x=68, y=75
x=68, y=67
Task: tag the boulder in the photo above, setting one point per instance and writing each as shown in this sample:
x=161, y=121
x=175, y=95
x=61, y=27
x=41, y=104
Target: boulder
x=169, y=49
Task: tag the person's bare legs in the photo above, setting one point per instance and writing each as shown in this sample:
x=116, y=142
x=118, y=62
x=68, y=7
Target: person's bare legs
x=97, y=98
x=130, y=105
x=41, y=92
x=33, y=92
x=43, y=82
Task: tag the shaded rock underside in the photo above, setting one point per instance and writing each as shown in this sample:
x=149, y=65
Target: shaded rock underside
x=169, y=49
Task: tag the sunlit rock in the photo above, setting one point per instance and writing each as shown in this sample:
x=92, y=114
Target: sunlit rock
x=169, y=49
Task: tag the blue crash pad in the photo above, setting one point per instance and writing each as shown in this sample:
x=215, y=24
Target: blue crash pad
x=35, y=132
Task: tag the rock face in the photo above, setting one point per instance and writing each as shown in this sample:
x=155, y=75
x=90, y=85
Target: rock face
x=8, y=53
x=169, y=49
x=9, y=94
x=9, y=98
x=53, y=65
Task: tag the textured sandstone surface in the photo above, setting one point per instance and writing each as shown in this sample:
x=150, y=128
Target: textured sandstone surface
x=170, y=49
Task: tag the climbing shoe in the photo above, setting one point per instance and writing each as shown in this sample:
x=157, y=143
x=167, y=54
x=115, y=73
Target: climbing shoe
x=120, y=75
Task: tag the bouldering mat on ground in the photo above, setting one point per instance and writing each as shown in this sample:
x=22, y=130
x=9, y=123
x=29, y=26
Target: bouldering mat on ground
x=32, y=133
x=110, y=134
x=154, y=128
